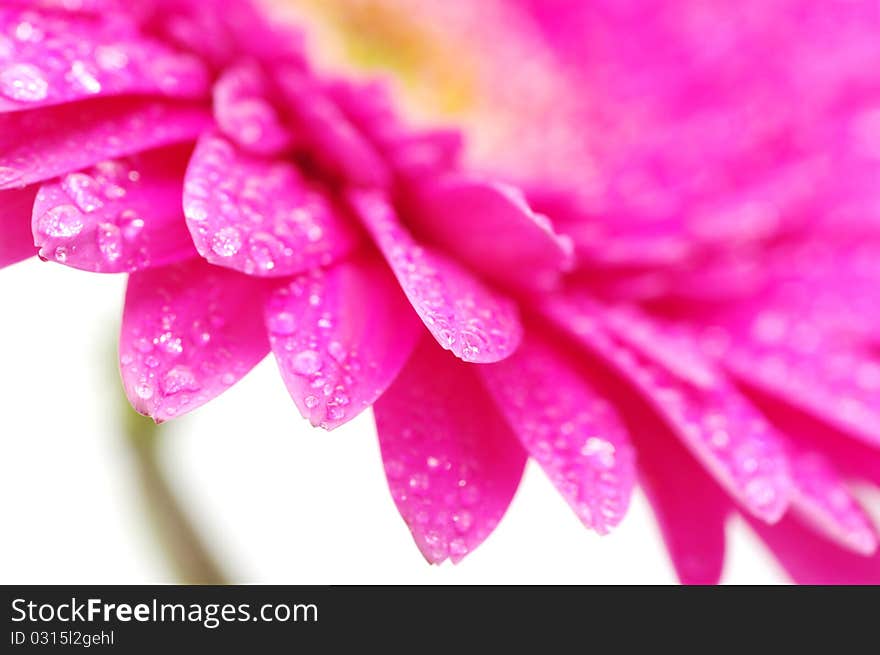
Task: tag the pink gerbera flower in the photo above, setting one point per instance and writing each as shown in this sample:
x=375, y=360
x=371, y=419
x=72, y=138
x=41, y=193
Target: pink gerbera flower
x=259, y=206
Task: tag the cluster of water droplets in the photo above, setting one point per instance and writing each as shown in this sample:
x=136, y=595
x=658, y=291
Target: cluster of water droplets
x=176, y=353
x=53, y=58
x=729, y=436
x=464, y=315
x=569, y=428
x=258, y=216
x=87, y=212
x=318, y=365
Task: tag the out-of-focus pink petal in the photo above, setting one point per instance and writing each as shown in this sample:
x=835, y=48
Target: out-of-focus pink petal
x=119, y=216
x=189, y=332
x=37, y=145
x=245, y=114
x=823, y=501
x=664, y=345
x=411, y=153
x=334, y=142
x=690, y=507
x=451, y=461
x=785, y=356
x=814, y=560
x=16, y=242
x=464, y=315
x=257, y=215
x=568, y=427
x=491, y=227
x=604, y=243
x=58, y=57
x=340, y=336
x=719, y=426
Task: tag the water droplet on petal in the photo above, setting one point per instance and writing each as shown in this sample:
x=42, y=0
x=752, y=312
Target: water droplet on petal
x=23, y=82
x=226, y=242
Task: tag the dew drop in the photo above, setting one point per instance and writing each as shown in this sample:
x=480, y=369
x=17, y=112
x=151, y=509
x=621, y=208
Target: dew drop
x=110, y=241
x=23, y=82
x=307, y=362
x=63, y=221
x=226, y=242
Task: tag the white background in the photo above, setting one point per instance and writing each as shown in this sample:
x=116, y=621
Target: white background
x=277, y=501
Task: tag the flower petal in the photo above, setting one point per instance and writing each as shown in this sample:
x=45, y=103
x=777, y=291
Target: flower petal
x=341, y=336
x=60, y=57
x=722, y=430
x=568, y=427
x=189, y=332
x=37, y=145
x=119, y=216
x=16, y=242
x=814, y=560
x=451, y=461
x=244, y=113
x=466, y=217
x=465, y=316
x=334, y=141
x=259, y=216
x=690, y=508
x=822, y=500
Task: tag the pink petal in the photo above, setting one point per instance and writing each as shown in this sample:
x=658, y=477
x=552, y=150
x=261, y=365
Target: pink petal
x=257, y=215
x=467, y=217
x=411, y=153
x=568, y=427
x=59, y=57
x=690, y=508
x=119, y=216
x=838, y=384
x=245, y=114
x=721, y=429
x=465, y=317
x=38, y=145
x=334, y=141
x=617, y=243
x=665, y=345
x=451, y=461
x=341, y=336
x=822, y=501
x=814, y=560
x=189, y=332
x=16, y=242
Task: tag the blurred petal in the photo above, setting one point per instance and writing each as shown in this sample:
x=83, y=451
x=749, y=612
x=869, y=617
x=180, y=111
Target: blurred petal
x=465, y=316
x=568, y=427
x=411, y=153
x=16, y=242
x=119, y=216
x=721, y=429
x=467, y=217
x=37, y=145
x=259, y=216
x=334, y=141
x=244, y=114
x=814, y=560
x=66, y=57
x=340, y=337
x=690, y=508
x=189, y=332
x=664, y=345
x=452, y=462
x=822, y=500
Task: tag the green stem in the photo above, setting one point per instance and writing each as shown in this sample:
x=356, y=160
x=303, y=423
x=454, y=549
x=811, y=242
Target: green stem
x=184, y=549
